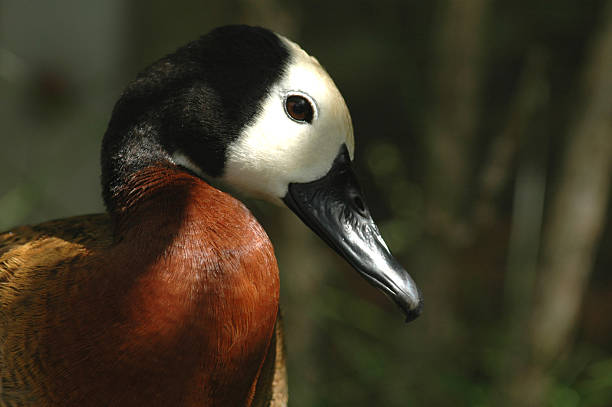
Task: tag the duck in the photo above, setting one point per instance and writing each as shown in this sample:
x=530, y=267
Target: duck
x=171, y=297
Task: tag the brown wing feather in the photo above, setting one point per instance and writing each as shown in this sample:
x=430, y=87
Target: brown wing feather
x=272, y=388
x=34, y=263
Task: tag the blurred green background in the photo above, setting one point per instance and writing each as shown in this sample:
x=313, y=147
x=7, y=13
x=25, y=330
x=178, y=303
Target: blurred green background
x=484, y=145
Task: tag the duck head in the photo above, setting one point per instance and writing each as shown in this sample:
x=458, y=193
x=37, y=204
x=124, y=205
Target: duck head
x=252, y=109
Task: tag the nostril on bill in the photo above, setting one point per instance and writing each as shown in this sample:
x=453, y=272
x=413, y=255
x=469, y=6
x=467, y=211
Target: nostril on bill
x=360, y=205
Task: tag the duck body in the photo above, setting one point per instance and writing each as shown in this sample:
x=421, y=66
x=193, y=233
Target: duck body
x=178, y=308
x=172, y=297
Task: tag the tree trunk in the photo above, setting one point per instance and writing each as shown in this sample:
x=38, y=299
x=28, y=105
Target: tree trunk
x=450, y=138
x=574, y=224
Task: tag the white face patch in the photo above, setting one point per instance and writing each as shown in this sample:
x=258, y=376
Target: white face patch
x=276, y=150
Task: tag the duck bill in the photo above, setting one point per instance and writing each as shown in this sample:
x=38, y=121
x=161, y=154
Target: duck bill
x=334, y=208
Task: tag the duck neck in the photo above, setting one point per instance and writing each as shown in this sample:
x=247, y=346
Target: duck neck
x=127, y=151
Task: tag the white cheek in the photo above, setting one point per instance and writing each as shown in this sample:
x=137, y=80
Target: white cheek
x=274, y=150
x=306, y=73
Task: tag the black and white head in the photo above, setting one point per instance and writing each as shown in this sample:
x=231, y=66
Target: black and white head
x=250, y=108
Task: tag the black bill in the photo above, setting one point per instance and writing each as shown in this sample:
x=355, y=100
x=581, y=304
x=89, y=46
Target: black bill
x=334, y=208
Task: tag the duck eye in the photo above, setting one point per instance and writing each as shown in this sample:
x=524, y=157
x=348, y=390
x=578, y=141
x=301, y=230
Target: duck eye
x=299, y=108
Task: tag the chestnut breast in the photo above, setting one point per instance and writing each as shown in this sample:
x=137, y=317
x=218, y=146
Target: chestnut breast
x=171, y=303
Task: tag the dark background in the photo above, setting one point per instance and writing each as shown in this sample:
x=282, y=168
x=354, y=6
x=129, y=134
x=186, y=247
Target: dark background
x=484, y=145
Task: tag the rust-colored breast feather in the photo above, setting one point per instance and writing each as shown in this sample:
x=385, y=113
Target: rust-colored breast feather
x=174, y=302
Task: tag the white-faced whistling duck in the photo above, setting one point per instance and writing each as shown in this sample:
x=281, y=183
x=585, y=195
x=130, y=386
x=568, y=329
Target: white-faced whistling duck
x=171, y=298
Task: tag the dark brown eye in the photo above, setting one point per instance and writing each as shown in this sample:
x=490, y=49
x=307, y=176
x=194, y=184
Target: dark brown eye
x=299, y=108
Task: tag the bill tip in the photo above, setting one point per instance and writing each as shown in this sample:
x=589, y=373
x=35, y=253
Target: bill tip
x=414, y=313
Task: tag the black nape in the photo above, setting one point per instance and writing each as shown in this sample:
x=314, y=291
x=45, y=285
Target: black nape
x=195, y=100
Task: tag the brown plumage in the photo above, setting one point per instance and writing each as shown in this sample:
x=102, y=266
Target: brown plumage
x=178, y=308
